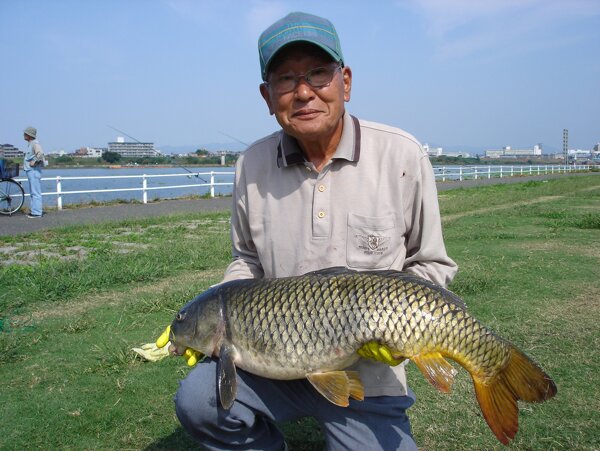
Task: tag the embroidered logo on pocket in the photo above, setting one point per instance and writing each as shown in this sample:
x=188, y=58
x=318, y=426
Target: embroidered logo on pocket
x=373, y=244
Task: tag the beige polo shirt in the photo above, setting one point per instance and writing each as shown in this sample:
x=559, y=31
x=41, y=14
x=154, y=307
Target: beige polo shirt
x=373, y=206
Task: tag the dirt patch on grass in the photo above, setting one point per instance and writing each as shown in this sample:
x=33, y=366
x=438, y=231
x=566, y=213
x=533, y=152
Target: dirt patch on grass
x=589, y=250
x=479, y=211
x=511, y=205
x=30, y=252
x=80, y=306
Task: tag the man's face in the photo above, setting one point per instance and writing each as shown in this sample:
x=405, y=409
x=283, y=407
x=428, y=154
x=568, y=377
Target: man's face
x=307, y=113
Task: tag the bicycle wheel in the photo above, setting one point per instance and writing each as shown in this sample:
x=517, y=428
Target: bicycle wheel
x=12, y=196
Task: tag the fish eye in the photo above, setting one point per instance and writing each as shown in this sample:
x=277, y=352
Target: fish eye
x=180, y=316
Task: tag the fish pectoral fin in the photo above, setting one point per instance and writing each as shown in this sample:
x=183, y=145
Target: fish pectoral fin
x=436, y=370
x=227, y=376
x=338, y=386
x=357, y=391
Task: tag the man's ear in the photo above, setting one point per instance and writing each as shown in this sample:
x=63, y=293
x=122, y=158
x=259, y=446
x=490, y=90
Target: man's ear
x=264, y=92
x=347, y=75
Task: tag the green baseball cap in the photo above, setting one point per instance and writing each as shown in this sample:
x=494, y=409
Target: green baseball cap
x=298, y=27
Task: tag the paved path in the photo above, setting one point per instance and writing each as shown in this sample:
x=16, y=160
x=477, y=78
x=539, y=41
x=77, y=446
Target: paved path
x=20, y=223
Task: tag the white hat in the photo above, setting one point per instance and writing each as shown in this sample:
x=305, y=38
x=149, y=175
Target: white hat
x=30, y=131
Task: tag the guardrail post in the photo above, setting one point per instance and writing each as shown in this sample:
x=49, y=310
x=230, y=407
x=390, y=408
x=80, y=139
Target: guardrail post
x=58, y=193
x=512, y=169
x=443, y=173
x=489, y=172
x=460, y=174
x=212, y=184
x=475, y=172
x=144, y=189
x=501, y=167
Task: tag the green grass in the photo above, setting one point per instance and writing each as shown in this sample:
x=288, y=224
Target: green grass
x=74, y=301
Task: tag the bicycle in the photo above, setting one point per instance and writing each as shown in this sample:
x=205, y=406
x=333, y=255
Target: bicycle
x=12, y=194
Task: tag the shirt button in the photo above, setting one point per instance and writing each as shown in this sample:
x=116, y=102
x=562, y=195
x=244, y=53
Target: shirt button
x=321, y=214
x=321, y=188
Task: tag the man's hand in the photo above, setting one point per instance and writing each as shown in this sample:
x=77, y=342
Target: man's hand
x=379, y=352
x=191, y=356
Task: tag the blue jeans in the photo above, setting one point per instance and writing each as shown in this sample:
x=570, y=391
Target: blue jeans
x=34, y=175
x=377, y=423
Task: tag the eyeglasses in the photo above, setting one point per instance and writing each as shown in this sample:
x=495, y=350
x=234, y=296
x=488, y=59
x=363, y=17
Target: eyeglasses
x=316, y=78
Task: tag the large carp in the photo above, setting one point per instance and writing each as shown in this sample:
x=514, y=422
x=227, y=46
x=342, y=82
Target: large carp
x=311, y=326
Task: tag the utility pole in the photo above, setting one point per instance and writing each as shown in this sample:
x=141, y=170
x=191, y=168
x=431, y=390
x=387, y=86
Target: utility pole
x=566, y=145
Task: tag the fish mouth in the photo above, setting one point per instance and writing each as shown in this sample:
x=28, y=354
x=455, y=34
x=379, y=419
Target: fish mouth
x=175, y=350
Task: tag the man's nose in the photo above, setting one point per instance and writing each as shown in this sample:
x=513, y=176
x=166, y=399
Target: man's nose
x=303, y=90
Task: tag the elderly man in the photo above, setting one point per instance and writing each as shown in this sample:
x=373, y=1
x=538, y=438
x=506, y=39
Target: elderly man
x=326, y=190
x=33, y=163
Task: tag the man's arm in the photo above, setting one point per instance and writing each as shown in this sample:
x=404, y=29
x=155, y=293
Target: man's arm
x=245, y=264
x=425, y=250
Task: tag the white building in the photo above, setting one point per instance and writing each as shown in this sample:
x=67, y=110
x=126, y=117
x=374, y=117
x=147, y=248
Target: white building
x=509, y=152
x=432, y=151
x=10, y=151
x=90, y=152
x=132, y=149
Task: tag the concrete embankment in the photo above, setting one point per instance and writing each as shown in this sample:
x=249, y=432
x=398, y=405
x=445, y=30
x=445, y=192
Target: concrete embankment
x=20, y=223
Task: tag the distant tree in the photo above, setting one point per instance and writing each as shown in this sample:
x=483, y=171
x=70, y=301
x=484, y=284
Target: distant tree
x=63, y=159
x=202, y=152
x=111, y=157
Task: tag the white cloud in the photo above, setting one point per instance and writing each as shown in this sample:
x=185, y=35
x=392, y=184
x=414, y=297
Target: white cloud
x=466, y=27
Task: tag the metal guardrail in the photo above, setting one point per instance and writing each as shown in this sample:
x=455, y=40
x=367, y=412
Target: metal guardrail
x=144, y=188
x=442, y=173
x=446, y=173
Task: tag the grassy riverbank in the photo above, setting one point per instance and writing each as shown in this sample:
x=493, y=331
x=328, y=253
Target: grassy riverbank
x=74, y=301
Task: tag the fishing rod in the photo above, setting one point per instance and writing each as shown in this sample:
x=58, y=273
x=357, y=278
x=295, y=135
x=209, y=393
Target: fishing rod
x=234, y=138
x=195, y=174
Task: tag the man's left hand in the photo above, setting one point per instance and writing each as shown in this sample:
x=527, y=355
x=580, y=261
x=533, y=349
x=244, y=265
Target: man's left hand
x=381, y=353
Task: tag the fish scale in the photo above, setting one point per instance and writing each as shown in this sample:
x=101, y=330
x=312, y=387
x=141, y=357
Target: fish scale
x=312, y=325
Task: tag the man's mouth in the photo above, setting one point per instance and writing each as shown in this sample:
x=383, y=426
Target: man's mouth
x=306, y=113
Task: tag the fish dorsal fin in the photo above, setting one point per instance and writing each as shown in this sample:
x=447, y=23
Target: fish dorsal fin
x=227, y=376
x=338, y=386
x=333, y=271
x=436, y=369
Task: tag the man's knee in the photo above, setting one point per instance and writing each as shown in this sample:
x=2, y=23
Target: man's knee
x=196, y=399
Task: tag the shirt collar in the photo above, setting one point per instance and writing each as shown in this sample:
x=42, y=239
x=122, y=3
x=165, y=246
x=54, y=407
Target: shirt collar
x=289, y=152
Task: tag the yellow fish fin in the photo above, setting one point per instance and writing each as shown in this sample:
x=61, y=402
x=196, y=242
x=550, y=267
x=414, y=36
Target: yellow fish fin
x=338, y=386
x=520, y=378
x=436, y=369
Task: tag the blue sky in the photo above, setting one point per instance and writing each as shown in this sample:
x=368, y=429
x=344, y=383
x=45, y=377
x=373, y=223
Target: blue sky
x=461, y=74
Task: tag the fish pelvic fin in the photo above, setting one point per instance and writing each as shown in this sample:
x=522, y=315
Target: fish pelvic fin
x=338, y=386
x=227, y=376
x=520, y=379
x=437, y=370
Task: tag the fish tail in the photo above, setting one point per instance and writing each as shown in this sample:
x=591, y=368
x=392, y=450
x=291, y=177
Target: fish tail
x=520, y=379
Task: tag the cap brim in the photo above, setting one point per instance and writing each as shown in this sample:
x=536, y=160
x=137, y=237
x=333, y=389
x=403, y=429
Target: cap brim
x=326, y=49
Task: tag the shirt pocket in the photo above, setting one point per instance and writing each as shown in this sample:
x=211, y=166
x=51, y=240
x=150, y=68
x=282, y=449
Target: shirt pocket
x=372, y=242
